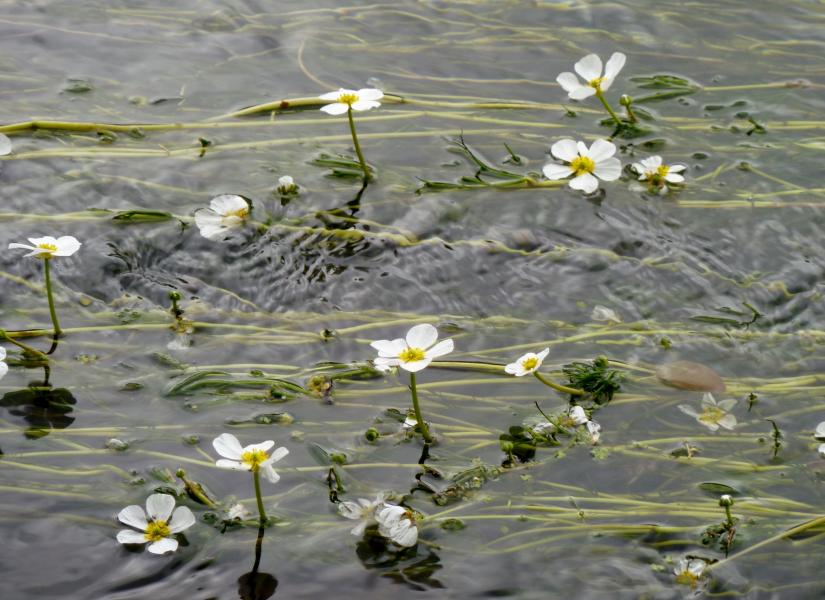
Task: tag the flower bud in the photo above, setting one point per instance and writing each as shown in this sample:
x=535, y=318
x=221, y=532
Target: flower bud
x=726, y=500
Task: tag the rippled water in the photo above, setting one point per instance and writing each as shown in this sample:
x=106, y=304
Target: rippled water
x=500, y=271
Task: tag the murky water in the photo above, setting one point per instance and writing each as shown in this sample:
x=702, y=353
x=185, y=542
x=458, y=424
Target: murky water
x=500, y=271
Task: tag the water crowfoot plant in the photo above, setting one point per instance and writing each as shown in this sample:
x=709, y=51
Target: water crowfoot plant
x=413, y=354
x=398, y=524
x=657, y=174
x=346, y=101
x=254, y=457
x=46, y=248
x=362, y=511
x=225, y=212
x=714, y=414
x=154, y=525
x=585, y=165
x=530, y=363
x=596, y=82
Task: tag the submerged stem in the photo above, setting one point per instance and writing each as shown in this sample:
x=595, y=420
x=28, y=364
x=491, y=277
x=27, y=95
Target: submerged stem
x=557, y=386
x=25, y=347
x=357, y=145
x=256, y=477
x=600, y=96
x=50, y=296
x=422, y=424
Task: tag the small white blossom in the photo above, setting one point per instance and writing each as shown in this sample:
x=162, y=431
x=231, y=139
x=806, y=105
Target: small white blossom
x=237, y=512
x=154, y=525
x=286, y=185
x=343, y=100
x=602, y=313
x=225, y=212
x=526, y=364
x=714, y=414
x=362, y=511
x=413, y=353
x=578, y=417
x=5, y=145
x=253, y=457
x=819, y=433
x=689, y=571
x=585, y=165
x=590, y=69
x=4, y=368
x=656, y=173
x=47, y=247
x=397, y=524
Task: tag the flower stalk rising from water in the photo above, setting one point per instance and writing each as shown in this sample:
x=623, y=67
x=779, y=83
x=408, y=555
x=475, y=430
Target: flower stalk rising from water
x=346, y=101
x=154, y=525
x=413, y=354
x=254, y=457
x=596, y=82
x=46, y=248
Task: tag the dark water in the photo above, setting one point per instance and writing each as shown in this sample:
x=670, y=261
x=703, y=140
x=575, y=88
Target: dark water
x=501, y=271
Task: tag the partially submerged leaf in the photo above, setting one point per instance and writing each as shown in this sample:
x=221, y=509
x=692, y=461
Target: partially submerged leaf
x=141, y=216
x=687, y=375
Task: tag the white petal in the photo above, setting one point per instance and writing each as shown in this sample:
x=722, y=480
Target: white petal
x=708, y=399
x=614, y=65
x=334, y=95
x=278, y=454
x=585, y=182
x=405, y=535
x=568, y=81
x=127, y=536
x=384, y=364
x=440, y=349
x=820, y=431
x=601, y=150
x=416, y=365
x=608, y=170
x=389, y=348
x=370, y=94
x=515, y=369
x=226, y=204
x=542, y=355
x=727, y=405
x=269, y=473
x=602, y=313
x=677, y=168
x=556, y=171
x=565, y=150
x=422, y=336
x=590, y=67
x=350, y=510
x=728, y=422
x=651, y=163
x=163, y=546
x=2, y=353
x=263, y=446
x=286, y=181
x=14, y=245
x=181, y=519
x=689, y=410
x=578, y=415
x=159, y=507
x=674, y=178
x=4, y=368
x=224, y=463
x=582, y=92
x=359, y=529
x=134, y=516
x=365, y=105
x=339, y=108
x=5, y=145
x=228, y=446
x=66, y=245
x=49, y=240
x=821, y=450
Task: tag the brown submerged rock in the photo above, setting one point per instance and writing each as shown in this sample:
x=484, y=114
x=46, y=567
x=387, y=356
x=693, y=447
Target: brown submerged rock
x=686, y=375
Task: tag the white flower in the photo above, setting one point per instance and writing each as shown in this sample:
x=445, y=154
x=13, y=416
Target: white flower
x=527, y=364
x=602, y=313
x=689, y=571
x=818, y=434
x=237, y=511
x=253, y=457
x=363, y=511
x=714, y=414
x=584, y=164
x=224, y=213
x=5, y=145
x=590, y=69
x=397, y=524
x=652, y=170
x=413, y=353
x=47, y=247
x=343, y=100
x=578, y=417
x=286, y=185
x=4, y=368
x=821, y=450
x=154, y=524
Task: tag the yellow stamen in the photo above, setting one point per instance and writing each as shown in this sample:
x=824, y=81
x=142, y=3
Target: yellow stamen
x=530, y=363
x=582, y=165
x=411, y=355
x=596, y=83
x=711, y=415
x=687, y=578
x=254, y=458
x=662, y=171
x=156, y=531
x=49, y=249
x=349, y=99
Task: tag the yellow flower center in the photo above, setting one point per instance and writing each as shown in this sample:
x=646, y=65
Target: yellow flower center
x=662, y=170
x=49, y=250
x=530, y=363
x=156, y=531
x=596, y=83
x=253, y=458
x=582, y=165
x=712, y=415
x=349, y=99
x=687, y=578
x=411, y=355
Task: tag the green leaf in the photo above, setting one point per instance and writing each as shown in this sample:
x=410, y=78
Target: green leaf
x=141, y=216
x=717, y=488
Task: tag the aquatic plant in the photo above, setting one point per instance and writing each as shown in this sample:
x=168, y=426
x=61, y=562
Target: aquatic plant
x=398, y=524
x=225, y=212
x=657, y=174
x=714, y=414
x=154, y=525
x=585, y=165
x=362, y=511
x=596, y=81
x=346, y=101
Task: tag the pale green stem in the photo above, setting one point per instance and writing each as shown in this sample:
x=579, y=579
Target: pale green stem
x=256, y=477
x=558, y=387
x=357, y=145
x=422, y=424
x=25, y=347
x=50, y=295
x=600, y=96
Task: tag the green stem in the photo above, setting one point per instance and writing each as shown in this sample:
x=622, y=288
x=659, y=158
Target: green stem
x=50, y=295
x=422, y=424
x=729, y=516
x=25, y=347
x=256, y=477
x=558, y=387
x=357, y=145
x=600, y=96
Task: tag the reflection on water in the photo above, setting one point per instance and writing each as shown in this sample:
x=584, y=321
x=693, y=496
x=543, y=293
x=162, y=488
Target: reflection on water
x=257, y=585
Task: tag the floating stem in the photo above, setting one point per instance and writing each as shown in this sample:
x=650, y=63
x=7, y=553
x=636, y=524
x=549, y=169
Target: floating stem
x=557, y=386
x=422, y=424
x=357, y=145
x=50, y=296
